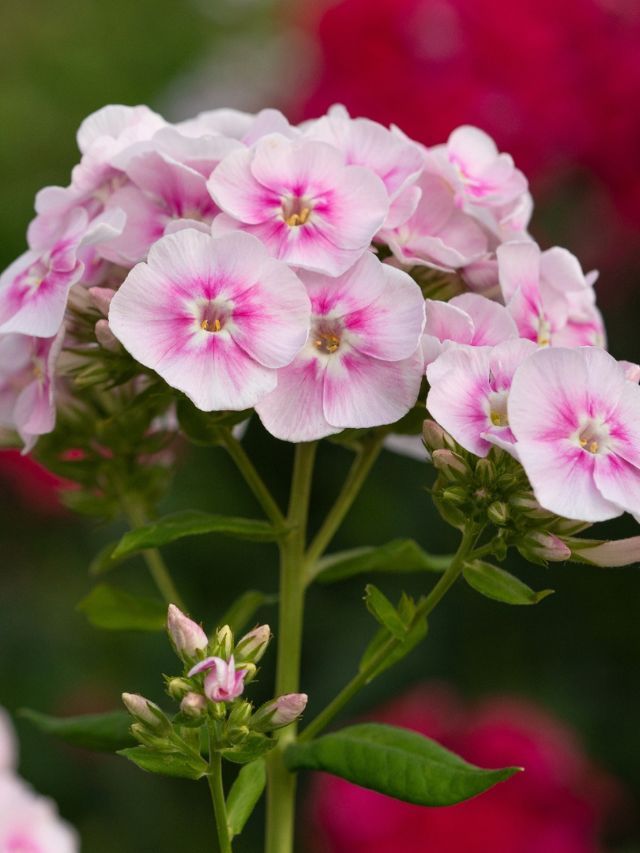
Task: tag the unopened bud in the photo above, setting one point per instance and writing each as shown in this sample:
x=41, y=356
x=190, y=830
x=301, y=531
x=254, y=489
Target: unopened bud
x=237, y=734
x=451, y=464
x=93, y=374
x=240, y=714
x=456, y=495
x=525, y=503
x=146, y=712
x=433, y=436
x=279, y=712
x=178, y=687
x=253, y=645
x=193, y=705
x=250, y=670
x=498, y=513
x=105, y=336
x=187, y=637
x=142, y=734
x=544, y=546
x=101, y=298
x=485, y=471
x=224, y=639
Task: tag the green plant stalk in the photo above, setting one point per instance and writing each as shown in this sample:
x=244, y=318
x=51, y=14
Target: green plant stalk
x=153, y=558
x=253, y=479
x=214, y=778
x=358, y=473
x=424, y=608
x=281, y=787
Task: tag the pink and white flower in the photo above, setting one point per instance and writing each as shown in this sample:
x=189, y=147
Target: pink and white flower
x=30, y=823
x=470, y=387
x=298, y=196
x=214, y=317
x=222, y=682
x=468, y=319
x=543, y=290
x=361, y=366
x=27, y=384
x=394, y=158
x=438, y=233
x=480, y=173
x=576, y=419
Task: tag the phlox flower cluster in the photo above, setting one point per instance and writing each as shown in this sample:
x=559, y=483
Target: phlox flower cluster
x=28, y=822
x=254, y=264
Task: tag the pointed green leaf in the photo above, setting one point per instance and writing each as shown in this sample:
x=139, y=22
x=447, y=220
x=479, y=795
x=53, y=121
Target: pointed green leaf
x=244, y=608
x=103, y=561
x=401, y=650
x=496, y=583
x=112, y=608
x=253, y=747
x=384, y=612
x=192, y=523
x=166, y=763
x=98, y=732
x=244, y=795
x=395, y=762
x=399, y=555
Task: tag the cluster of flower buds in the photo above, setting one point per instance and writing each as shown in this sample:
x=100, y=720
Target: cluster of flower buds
x=210, y=692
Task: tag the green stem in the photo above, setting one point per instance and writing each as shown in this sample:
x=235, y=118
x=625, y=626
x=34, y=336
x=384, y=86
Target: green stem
x=253, y=479
x=281, y=789
x=216, y=788
x=153, y=558
x=356, y=477
x=424, y=608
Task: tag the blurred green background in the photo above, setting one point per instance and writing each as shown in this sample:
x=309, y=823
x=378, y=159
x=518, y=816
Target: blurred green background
x=578, y=653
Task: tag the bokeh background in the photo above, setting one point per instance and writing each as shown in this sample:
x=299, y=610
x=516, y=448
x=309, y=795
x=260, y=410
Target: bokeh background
x=558, y=85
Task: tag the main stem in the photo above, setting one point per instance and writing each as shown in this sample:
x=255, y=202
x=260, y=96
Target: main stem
x=424, y=608
x=216, y=788
x=281, y=789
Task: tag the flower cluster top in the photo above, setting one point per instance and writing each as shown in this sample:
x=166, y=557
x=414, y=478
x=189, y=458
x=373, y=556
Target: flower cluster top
x=253, y=264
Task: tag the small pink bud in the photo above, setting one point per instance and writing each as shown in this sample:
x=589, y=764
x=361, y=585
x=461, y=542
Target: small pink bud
x=193, y=705
x=279, y=712
x=433, y=436
x=451, y=464
x=187, y=637
x=101, y=298
x=253, y=645
x=105, y=336
x=545, y=546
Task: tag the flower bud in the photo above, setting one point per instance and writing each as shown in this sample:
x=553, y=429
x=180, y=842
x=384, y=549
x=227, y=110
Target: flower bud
x=250, y=670
x=187, y=637
x=456, y=495
x=237, y=734
x=144, y=736
x=105, y=336
x=193, y=705
x=253, y=645
x=433, y=436
x=485, y=471
x=224, y=639
x=525, y=503
x=451, y=464
x=279, y=712
x=539, y=546
x=101, y=298
x=178, y=687
x=498, y=513
x=240, y=714
x=146, y=712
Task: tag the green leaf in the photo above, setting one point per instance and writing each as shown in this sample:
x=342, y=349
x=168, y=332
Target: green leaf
x=253, y=747
x=244, y=609
x=99, y=732
x=395, y=762
x=384, y=612
x=399, y=555
x=244, y=795
x=192, y=523
x=112, y=608
x=166, y=763
x=206, y=428
x=411, y=640
x=495, y=583
x=103, y=561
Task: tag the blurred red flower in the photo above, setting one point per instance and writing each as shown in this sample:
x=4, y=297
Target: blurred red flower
x=557, y=84
x=35, y=488
x=557, y=805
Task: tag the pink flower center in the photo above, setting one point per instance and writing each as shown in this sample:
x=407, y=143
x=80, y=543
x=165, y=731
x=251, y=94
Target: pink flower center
x=296, y=210
x=498, y=409
x=213, y=317
x=594, y=436
x=327, y=336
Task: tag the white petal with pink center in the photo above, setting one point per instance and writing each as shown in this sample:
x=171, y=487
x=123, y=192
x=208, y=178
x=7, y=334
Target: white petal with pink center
x=214, y=317
x=469, y=390
x=301, y=200
x=361, y=366
x=576, y=419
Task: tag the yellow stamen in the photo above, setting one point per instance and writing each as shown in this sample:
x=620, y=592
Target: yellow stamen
x=327, y=343
x=301, y=218
x=498, y=419
x=211, y=327
x=593, y=447
x=583, y=442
